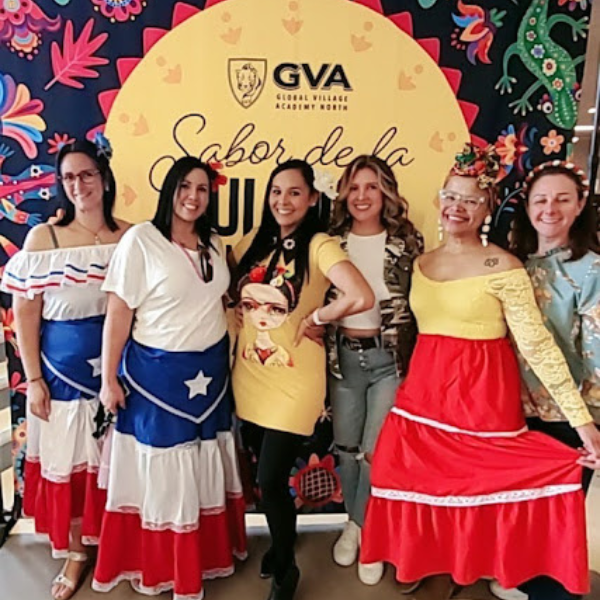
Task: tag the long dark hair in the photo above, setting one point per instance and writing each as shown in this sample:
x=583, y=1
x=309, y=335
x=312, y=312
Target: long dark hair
x=583, y=235
x=108, y=182
x=163, y=218
x=269, y=234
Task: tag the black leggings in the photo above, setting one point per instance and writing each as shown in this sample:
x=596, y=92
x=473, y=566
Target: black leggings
x=277, y=452
x=545, y=588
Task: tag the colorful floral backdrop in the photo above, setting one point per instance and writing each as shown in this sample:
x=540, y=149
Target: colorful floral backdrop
x=520, y=61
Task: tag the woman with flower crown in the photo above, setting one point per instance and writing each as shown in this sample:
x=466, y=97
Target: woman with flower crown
x=175, y=509
x=459, y=485
x=59, y=312
x=283, y=272
x=555, y=234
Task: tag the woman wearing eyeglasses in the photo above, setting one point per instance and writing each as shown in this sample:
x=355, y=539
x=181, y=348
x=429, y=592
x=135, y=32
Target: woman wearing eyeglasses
x=175, y=511
x=59, y=311
x=459, y=485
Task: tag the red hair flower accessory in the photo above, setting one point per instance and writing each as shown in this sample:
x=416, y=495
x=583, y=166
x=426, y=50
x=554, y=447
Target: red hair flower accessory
x=220, y=179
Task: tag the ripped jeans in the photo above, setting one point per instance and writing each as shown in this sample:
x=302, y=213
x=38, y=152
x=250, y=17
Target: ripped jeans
x=360, y=402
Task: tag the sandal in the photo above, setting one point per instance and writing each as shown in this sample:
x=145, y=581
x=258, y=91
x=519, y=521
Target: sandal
x=62, y=579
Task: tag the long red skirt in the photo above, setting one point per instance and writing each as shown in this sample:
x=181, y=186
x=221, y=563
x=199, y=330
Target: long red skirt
x=460, y=487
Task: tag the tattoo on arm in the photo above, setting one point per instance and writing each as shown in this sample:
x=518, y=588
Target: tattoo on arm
x=491, y=262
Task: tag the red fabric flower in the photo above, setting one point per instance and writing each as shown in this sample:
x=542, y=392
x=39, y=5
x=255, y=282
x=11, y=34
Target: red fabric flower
x=258, y=274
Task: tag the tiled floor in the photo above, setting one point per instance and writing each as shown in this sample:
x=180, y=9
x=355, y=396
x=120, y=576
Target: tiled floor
x=26, y=570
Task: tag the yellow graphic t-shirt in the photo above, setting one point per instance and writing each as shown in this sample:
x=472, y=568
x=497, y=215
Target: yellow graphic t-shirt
x=275, y=384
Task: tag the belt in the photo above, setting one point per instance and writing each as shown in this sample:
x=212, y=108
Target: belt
x=358, y=344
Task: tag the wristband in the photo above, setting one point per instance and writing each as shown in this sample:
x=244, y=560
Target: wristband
x=34, y=379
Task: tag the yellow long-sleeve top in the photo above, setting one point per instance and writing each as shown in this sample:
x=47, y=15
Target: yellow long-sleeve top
x=486, y=307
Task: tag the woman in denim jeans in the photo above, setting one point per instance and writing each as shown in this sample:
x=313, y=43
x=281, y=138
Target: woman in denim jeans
x=369, y=352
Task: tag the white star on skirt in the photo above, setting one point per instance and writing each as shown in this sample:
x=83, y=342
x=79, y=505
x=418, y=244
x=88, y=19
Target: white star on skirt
x=96, y=364
x=198, y=385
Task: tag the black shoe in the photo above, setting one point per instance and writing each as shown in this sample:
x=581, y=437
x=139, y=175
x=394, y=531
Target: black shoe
x=285, y=589
x=266, y=565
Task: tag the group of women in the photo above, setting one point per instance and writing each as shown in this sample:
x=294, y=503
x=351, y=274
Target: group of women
x=445, y=468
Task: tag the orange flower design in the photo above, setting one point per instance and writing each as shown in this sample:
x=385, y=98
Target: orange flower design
x=553, y=142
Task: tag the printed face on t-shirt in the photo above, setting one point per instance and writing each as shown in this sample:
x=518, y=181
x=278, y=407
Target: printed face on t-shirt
x=265, y=306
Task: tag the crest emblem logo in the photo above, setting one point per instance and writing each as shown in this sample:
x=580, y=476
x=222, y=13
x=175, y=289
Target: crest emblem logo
x=247, y=79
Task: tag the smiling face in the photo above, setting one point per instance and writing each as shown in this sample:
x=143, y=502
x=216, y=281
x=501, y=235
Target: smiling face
x=365, y=199
x=265, y=305
x=82, y=182
x=552, y=207
x=289, y=200
x=191, y=197
x=463, y=206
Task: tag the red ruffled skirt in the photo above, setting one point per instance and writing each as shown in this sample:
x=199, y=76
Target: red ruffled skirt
x=460, y=487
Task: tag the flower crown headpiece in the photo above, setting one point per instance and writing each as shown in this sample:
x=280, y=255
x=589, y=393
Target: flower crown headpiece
x=281, y=278
x=481, y=163
x=103, y=147
x=577, y=171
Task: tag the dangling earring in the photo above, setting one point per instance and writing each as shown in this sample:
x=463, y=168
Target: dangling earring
x=485, y=230
x=440, y=230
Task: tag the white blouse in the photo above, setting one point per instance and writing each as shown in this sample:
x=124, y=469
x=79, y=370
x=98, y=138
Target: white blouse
x=69, y=278
x=174, y=309
x=367, y=253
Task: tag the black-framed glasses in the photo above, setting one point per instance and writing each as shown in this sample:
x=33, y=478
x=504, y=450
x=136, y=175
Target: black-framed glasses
x=86, y=177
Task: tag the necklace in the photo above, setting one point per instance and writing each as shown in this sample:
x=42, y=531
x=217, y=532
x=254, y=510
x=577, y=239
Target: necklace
x=97, y=239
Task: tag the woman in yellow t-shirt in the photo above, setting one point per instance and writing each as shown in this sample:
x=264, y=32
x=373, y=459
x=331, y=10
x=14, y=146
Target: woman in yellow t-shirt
x=283, y=272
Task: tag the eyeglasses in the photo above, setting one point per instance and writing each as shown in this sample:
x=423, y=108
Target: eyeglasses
x=469, y=203
x=86, y=177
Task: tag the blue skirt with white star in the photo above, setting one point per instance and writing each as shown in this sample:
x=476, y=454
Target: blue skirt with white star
x=70, y=353
x=175, y=397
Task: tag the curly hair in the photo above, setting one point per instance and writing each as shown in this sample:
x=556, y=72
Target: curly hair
x=394, y=215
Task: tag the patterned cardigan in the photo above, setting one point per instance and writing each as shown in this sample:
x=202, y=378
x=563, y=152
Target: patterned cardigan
x=398, y=326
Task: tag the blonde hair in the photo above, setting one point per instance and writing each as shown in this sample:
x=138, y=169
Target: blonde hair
x=394, y=214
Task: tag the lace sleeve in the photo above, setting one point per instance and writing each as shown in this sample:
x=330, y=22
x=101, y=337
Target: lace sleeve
x=536, y=344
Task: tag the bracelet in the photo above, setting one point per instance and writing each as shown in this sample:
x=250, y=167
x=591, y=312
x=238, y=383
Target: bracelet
x=316, y=320
x=34, y=379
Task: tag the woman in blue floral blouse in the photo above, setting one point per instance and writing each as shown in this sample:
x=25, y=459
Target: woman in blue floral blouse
x=555, y=235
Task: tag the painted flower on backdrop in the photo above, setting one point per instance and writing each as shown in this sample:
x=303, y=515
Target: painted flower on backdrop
x=573, y=4
x=552, y=143
x=514, y=148
x=57, y=141
x=477, y=27
x=316, y=483
x=21, y=24
x=20, y=115
x=119, y=10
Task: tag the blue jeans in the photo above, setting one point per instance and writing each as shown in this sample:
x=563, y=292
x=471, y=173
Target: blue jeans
x=360, y=402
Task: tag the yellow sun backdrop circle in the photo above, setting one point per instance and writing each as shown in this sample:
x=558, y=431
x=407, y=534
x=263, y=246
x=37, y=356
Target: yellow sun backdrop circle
x=251, y=84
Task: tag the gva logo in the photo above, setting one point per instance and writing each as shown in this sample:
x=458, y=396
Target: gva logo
x=289, y=75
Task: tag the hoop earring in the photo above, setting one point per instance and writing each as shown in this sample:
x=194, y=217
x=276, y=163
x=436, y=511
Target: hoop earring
x=485, y=231
x=440, y=230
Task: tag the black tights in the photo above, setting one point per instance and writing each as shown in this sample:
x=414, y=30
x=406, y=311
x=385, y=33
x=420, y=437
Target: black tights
x=277, y=452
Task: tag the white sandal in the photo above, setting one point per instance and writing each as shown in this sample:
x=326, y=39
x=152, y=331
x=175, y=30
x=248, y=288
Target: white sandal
x=62, y=579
